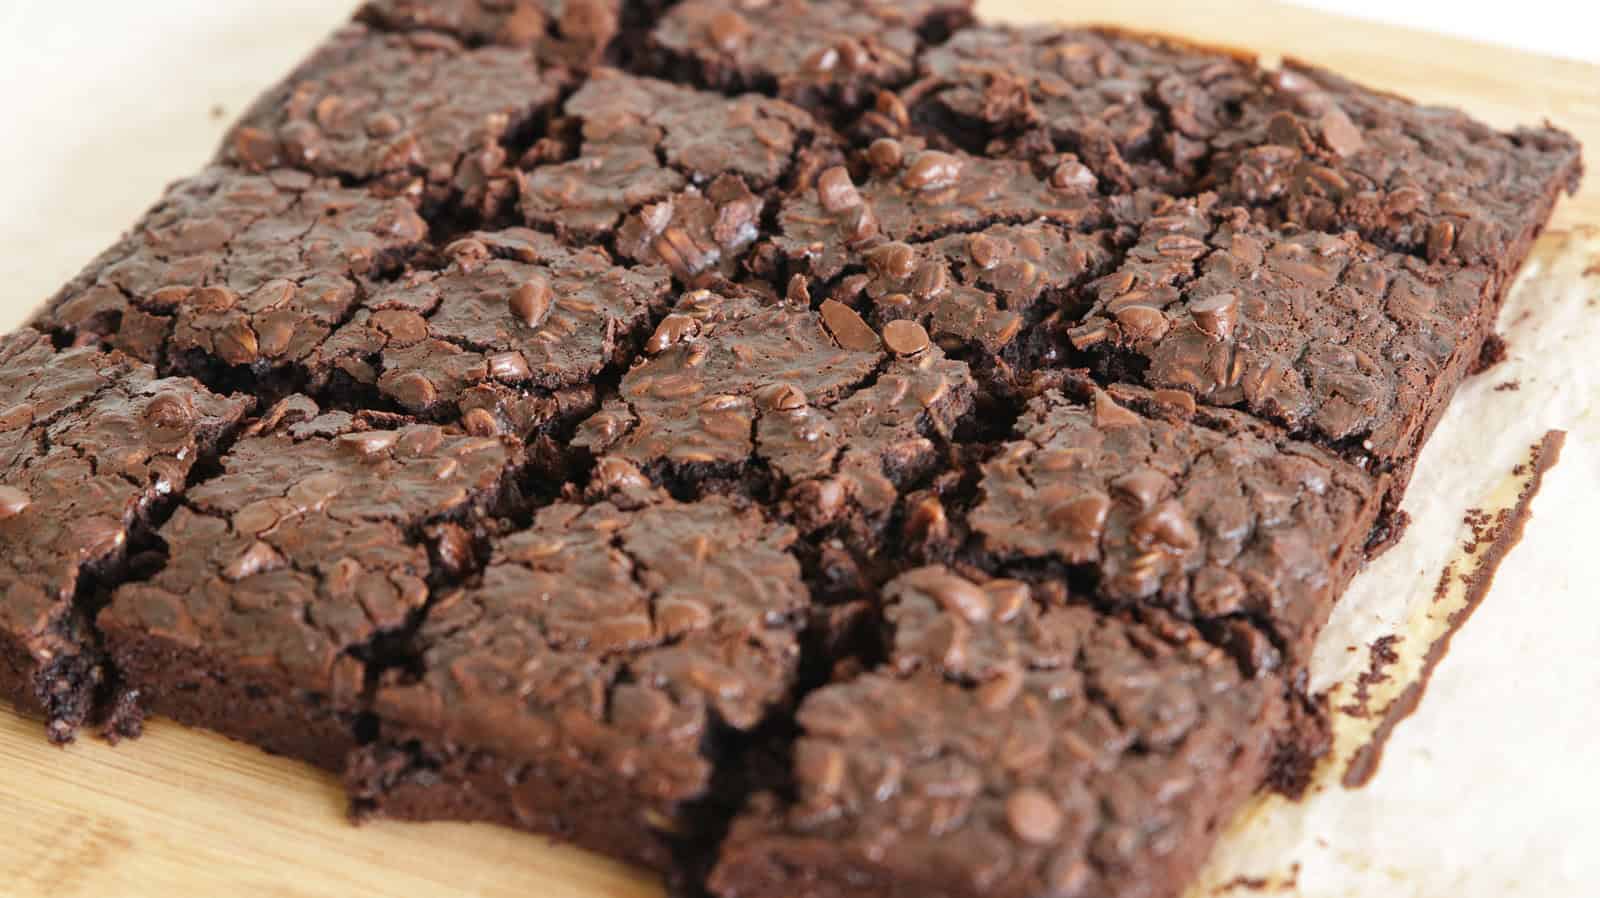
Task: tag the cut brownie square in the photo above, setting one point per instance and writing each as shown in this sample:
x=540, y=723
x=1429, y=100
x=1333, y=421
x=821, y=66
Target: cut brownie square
x=673, y=148
x=1210, y=515
x=1303, y=146
x=589, y=686
x=780, y=401
x=913, y=194
x=1137, y=111
x=989, y=295
x=93, y=447
x=233, y=271
x=414, y=114
x=813, y=52
x=509, y=334
x=286, y=570
x=577, y=33
x=1354, y=347
x=1013, y=746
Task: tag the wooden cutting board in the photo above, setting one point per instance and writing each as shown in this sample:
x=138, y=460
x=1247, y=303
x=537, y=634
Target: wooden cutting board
x=187, y=813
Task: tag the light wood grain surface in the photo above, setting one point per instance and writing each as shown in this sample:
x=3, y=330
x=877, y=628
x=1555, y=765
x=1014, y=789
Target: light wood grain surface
x=188, y=813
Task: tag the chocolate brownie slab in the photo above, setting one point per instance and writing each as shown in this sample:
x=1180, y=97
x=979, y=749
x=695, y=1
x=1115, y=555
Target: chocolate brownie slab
x=92, y=447
x=1304, y=146
x=644, y=141
x=235, y=270
x=1014, y=745
x=813, y=52
x=737, y=390
x=574, y=33
x=914, y=194
x=415, y=114
x=285, y=569
x=1210, y=515
x=509, y=335
x=590, y=684
x=1330, y=336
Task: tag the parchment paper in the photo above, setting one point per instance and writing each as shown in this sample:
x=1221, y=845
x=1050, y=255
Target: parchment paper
x=1490, y=789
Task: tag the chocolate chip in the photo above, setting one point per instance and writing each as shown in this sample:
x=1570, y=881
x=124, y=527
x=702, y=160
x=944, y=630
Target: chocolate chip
x=1168, y=525
x=480, y=422
x=1073, y=176
x=821, y=60
x=680, y=615
x=1145, y=486
x=1441, y=240
x=260, y=557
x=414, y=390
x=960, y=597
x=1339, y=134
x=930, y=280
x=1034, y=816
x=1216, y=315
x=531, y=301
x=510, y=367
x=848, y=330
x=1142, y=323
x=236, y=344
x=860, y=224
x=1082, y=518
x=673, y=330
x=782, y=398
x=905, y=337
x=933, y=170
x=614, y=474
x=1108, y=414
x=927, y=522
x=1178, y=402
x=889, y=105
x=1217, y=591
x=885, y=154
x=169, y=411
x=835, y=191
x=984, y=250
x=893, y=260
x=13, y=502
x=727, y=30
x=369, y=444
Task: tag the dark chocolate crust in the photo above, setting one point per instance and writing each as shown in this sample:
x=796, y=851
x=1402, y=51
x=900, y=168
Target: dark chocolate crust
x=796, y=445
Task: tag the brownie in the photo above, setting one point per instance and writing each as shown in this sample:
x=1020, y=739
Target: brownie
x=914, y=194
x=645, y=141
x=589, y=685
x=1329, y=336
x=809, y=447
x=1136, y=110
x=986, y=294
x=93, y=449
x=1014, y=744
x=415, y=114
x=736, y=389
x=576, y=33
x=321, y=535
x=1208, y=514
x=814, y=52
x=509, y=335
x=236, y=271
x=1299, y=145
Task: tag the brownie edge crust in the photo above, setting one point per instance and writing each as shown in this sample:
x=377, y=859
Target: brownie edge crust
x=802, y=447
